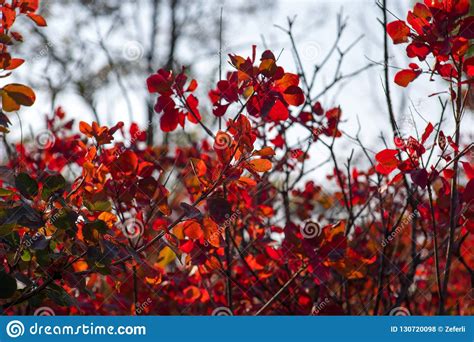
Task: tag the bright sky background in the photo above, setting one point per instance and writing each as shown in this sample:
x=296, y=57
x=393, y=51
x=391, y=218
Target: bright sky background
x=315, y=28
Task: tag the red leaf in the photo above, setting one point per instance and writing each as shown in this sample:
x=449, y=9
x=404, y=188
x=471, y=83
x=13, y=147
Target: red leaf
x=159, y=83
x=446, y=70
x=279, y=112
x=419, y=50
x=192, y=85
x=8, y=16
x=164, y=104
x=127, y=163
x=14, y=63
x=219, y=110
x=420, y=177
x=398, y=31
x=260, y=165
x=387, y=161
x=386, y=155
x=318, y=109
x=426, y=134
x=38, y=19
x=441, y=140
x=287, y=81
x=468, y=194
x=448, y=173
x=278, y=141
x=467, y=28
x=404, y=77
x=469, y=170
x=469, y=67
x=294, y=96
x=187, y=246
x=193, y=230
x=275, y=254
x=194, y=116
x=169, y=121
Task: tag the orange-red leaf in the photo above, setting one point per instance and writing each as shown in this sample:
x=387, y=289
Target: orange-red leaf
x=38, y=19
x=85, y=128
x=404, y=77
x=260, y=165
x=294, y=96
x=14, y=63
x=265, y=152
x=398, y=31
x=193, y=230
x=15, y=95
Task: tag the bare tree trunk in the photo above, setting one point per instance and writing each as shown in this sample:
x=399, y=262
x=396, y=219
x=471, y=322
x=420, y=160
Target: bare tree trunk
x=174, y=34
x=150, y=60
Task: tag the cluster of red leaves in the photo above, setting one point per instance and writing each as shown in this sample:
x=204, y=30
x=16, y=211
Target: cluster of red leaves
x=14, y=95
x=171, y=89
x=440, y=28
x=102, y=223
x=266, y=87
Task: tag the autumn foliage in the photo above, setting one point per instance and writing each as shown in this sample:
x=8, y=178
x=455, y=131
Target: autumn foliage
x=95, y=221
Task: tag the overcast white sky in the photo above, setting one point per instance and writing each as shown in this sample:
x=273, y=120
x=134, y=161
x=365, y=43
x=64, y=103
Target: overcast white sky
x=315, y=29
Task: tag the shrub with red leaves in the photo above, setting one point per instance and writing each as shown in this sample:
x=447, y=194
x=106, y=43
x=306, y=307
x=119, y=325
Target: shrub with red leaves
x=95, y=221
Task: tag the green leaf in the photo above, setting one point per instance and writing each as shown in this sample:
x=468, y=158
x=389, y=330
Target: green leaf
x=5, y=192
x=93, y=230
x=52, y=184
x=64, y=220
x=43, y=257
x=7, y=285
x=23, y=215
x=98, y=205
x=26, y=256
x=26, y=185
